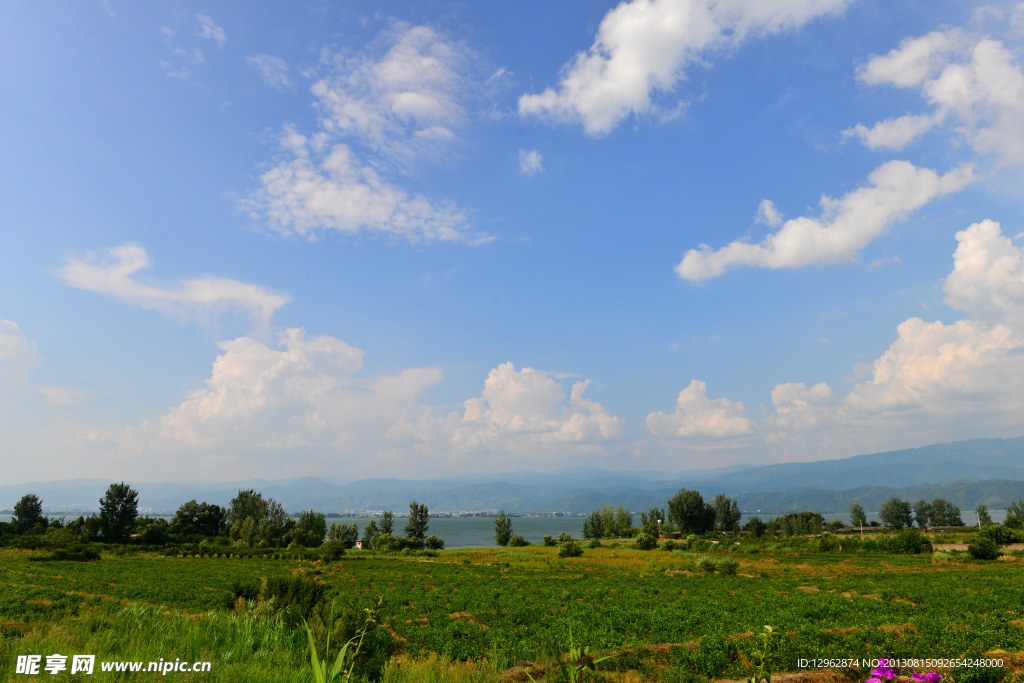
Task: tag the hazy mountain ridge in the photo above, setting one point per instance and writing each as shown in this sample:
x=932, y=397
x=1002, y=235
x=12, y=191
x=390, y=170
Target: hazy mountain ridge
x=966, y=473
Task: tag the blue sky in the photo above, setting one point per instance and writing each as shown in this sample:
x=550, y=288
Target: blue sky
x=423, y=239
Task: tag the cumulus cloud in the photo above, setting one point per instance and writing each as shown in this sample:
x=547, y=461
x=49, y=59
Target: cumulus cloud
x=208, y=29
x=531, y=162
x=698, y=417
x=273, y=70
x=523, y=413
x=975, y=89
x=406, y=102
x=935, y=379
x=644, y=47
x=378, y=114
x=314, y=192
x=306, y=393
x=113, y=271
x=845, y=226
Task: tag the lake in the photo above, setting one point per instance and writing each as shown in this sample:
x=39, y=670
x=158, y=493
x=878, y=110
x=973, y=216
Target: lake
x=478, y=532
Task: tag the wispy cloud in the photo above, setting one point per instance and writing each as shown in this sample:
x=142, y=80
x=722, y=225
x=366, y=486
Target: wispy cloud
x=113, y=272
x=273, y=70
x=209, y=30
x=531, y=162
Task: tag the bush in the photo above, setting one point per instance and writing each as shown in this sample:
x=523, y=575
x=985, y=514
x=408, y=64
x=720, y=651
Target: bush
x=549, y=541
x=564, y=538
x=708, y=565
x=668, y=545
x=982, y=547
x=332, y=550
x=517, y=541
x=433, y=543
x=828, y=543
x=728, y=566
x=645, y=542
x=594, y=543
x=1000, y=534
x=296, y=597
x=569, y=549
x=75, y=553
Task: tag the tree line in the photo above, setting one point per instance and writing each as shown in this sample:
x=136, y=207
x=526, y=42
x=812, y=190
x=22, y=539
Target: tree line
x=250, y=521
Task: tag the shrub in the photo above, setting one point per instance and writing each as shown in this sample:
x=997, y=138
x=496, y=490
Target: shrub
x=691, y=539
x=549, y=541
x=594, y=543
x=668, y=545
x=296, y=597
x=828, y=543
x=569, y=548
x=728, y=566
x=332, y=550
x=645, y=542
x=433, y=543
x=708, y=565
x=75, y=553
x=563, y=538
x=517, y=541
x=982, y=547
x=1000, y=534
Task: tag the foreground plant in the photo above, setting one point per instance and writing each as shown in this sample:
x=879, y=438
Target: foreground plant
x=763, y=670
x=578, y=661
x=320, y=672
x=883, y=672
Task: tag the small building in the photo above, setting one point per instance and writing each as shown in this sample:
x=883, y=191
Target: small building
x=359, y=545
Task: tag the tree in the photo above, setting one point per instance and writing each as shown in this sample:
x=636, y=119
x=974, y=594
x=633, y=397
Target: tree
x=199, y=519
x=651, y=522
x=502, y=528
x=28, y=512
x=727, y=513
x=944, y=513
x=369, y=533
x=688, y=511
x=983, y=517
x=313, y=526
x=387, y=523
x=623, y=521
x=119, y=508
x=922, y=513
x=256, y=519
x=346, y=534
x=1015, y=515
x=857, y=516
x=593, y=525
x=896, y=513
x=419, y=519
x=756, y=527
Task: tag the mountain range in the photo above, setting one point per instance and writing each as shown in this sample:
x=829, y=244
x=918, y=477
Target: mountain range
x=987, y=471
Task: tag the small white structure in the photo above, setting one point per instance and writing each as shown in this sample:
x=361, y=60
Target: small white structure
x=359, y=545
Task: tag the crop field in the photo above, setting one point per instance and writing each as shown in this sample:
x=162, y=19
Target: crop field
x=504, y=614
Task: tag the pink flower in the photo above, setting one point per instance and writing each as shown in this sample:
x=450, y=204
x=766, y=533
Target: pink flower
x=883, y=670
x=931, y=677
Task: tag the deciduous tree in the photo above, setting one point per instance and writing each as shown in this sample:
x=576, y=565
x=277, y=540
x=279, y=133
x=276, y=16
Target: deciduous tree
x=28, y=513
x=119, y=508
x=896, y=513
x=419, y=520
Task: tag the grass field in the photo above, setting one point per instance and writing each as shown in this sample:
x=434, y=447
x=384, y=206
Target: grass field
x=500, y=614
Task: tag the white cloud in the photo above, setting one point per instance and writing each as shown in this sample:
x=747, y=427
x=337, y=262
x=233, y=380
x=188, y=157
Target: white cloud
x=1017, y=18
x=531, y=162
x=305, y=394
x=523, y=414
x=273, y=70
x=209, y=30
x=845, y=226
x=61, y=396
x=645, y=46
x=408, y=102
x=181, y=61
x=698, y=417
x=112, y=272
x=18, y=354
x=976, y=87
x=894, y=133
x=936, y=380
x=767, y=214
x=378, y=114
x=315, y=191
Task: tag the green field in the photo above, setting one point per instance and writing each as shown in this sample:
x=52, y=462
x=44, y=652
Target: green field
x=498, y=614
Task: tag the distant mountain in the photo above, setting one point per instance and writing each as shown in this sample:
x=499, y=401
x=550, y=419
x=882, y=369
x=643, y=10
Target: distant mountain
x=967, y=472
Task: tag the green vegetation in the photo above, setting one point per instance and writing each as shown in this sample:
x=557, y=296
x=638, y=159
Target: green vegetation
x=502, y=528
x=242, y=589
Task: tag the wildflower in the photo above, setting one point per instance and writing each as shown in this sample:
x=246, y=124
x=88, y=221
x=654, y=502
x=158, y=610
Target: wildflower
x=931, y=677
x=883, y=671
